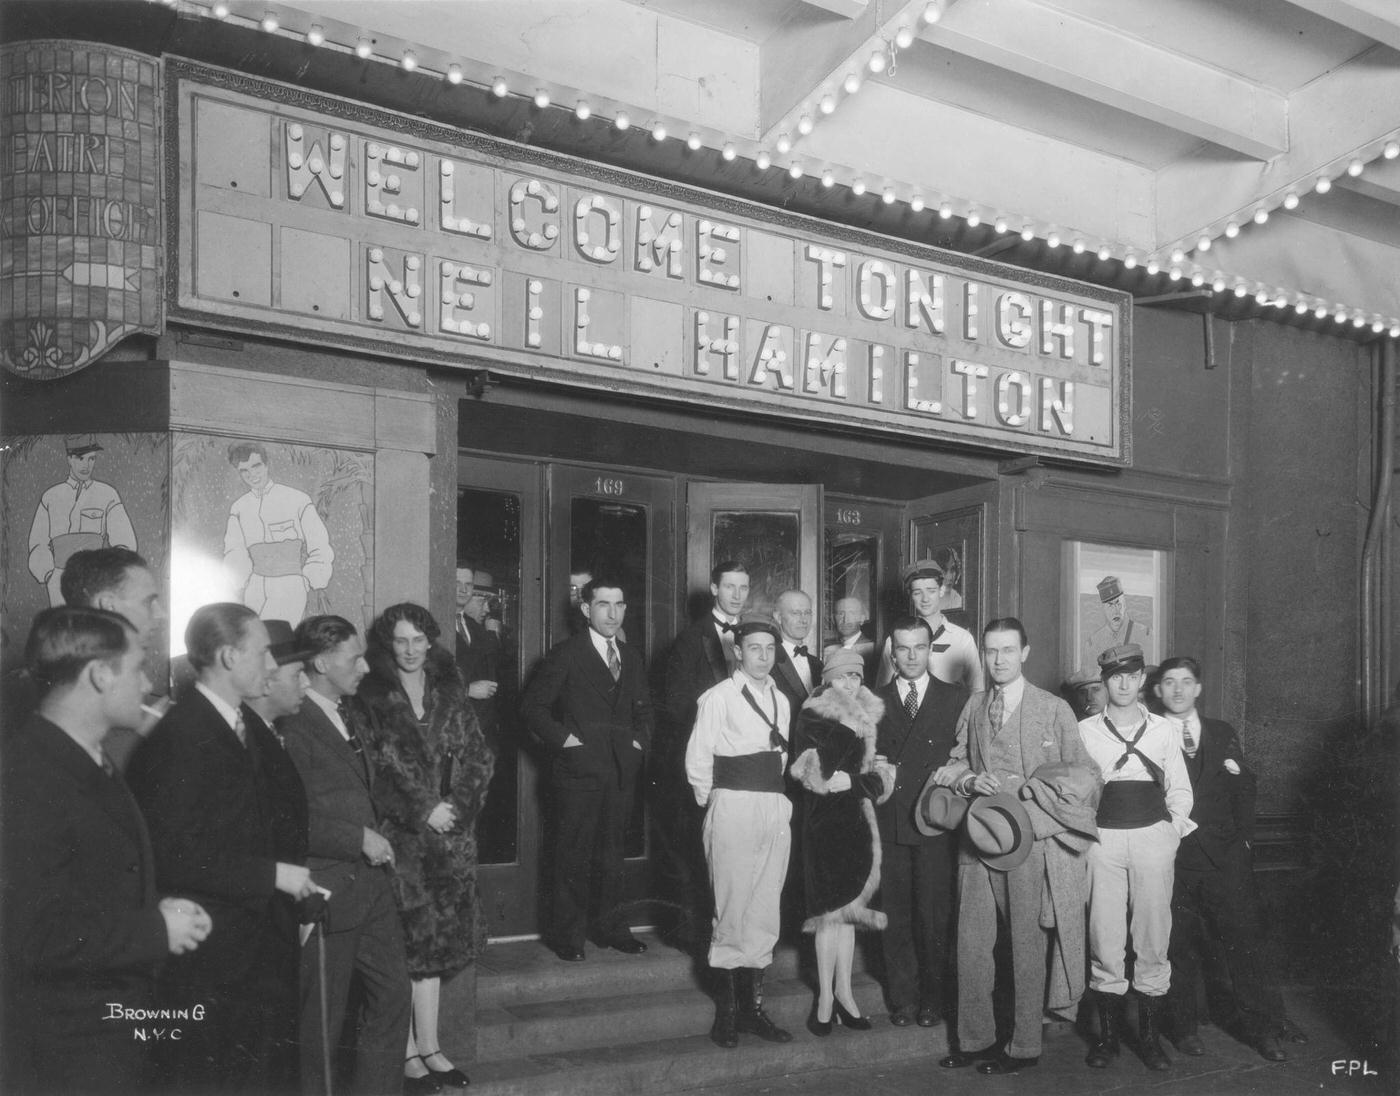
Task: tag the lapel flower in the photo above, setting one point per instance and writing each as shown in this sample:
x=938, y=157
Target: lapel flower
x=1232, y=766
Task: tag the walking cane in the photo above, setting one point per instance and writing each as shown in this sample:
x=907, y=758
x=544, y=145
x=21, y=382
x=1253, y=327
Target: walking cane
x=313, y=911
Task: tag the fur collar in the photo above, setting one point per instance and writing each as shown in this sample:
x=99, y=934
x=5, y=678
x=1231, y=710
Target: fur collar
x=861, y=713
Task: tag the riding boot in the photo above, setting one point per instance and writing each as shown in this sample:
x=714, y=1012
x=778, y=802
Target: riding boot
x=1105, y=1049
x=1149, y=1031
x=724, y=1032
x=752, y=1018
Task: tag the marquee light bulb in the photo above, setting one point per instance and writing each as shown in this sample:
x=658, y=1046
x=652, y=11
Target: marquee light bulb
x=763, y=161
x=658, y=131
x=1261, y=215
x=622, y=121
x=795, y=170
x=363, y=49
x=1198, y=279
x=1323, y=184
x=1078, y=246
x=1153, y=266
x=1301, y=307
x=1358, y=320
x=693, y=142
x=541, y=98
x=973, y=218
x=1232, y=229
x=945, y=211
x=1262, y=297
x=1392, y=150
x=1130, y=260
x=805, y=124
x=1377, y=327
x=878, y=60
x=888, y=196
x=583, y=111
x=1174, y=273
x=1320, y=312
x=1218, y=285
x=858, y=187
x=828, y=179
x=1000, y=225
x=453, y=74
x=269, y=22
x=904, y=37
x=728, y=152
x=499, y=87
x=1290, y=200
x=315, y=34
x=408, y=62
x=1105, y=253
x=851, y=83
x=828, y=104
x=933, y=12
x=1355, y=168
x=1394, y=331
x=1028, y=233
x=784, y=144
x=916, y=203
x=1241, y=289
x=1203, y=244
x=220, y=10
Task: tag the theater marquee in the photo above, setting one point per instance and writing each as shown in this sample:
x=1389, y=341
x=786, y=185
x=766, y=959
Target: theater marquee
x=302, y=214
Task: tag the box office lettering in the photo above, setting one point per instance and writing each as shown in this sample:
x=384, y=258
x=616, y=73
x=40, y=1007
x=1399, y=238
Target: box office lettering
x=375, y=230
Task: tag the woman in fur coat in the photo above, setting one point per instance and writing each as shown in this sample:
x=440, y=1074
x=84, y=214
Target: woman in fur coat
x=835, y=746
x=431, y=766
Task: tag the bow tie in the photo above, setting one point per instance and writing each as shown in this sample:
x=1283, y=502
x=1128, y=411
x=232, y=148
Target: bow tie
x=796, y=651
x=724, y=625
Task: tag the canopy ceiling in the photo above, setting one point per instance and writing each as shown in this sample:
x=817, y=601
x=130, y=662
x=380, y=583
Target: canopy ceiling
x=1158, y=137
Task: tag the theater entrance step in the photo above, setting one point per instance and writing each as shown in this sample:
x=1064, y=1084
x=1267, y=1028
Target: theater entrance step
x=617, y=1024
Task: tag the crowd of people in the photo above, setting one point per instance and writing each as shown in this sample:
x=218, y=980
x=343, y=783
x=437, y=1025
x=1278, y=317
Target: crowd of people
x=264, y=889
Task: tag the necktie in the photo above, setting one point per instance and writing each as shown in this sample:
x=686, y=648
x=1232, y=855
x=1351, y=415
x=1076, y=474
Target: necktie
x=724, y=625
x=997, y=711
x=107, y=766
x=241, y=729
x=351, y=737
x=614, y=662
x=799, y=652
x=911, y=700
x=1188, y=740
x=463, y=630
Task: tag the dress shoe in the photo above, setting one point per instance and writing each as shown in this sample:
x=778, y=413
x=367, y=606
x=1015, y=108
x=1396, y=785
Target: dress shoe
x=1191, y=1044
x=628, y=945
x=902, y=1016
x=424, y=1085
x=452, y=1076
x=1004, y=1064
x=1269, y=1050
x=959, y=1059
x=928, y=1016
x=817, y=1027
x=848, y=1019
x=567, y=952
x=1290, y=1032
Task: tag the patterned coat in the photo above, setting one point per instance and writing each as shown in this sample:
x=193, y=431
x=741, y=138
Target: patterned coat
x=435, y=878
x=840, y=841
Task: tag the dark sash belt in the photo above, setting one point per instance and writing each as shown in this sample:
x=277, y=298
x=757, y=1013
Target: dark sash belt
x=1132, y=805
x=755, y=772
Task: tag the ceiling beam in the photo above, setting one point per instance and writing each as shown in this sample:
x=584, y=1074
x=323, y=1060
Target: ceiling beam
x=1144, y=80
x=847, y=9
x=1378, y=19
x=1380, y=180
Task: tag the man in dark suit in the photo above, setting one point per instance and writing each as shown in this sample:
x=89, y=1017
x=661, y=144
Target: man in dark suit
x=797, y=671
x=915, y=735
x=203, y=783
x=478, y=653
x=1213, y=894
x=590, y=706
x=351, y=859
x=83, y=931
x=700, y=658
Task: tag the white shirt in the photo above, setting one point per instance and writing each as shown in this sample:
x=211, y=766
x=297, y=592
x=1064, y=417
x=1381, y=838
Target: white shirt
x=231, y=716
x=1192, y=722
x=331, y=708
x=726, y=726
x=1011, y=694
x=600, y=644
x=801, y=665
x=1161, y=742
x=920, y=684
x=960, y=664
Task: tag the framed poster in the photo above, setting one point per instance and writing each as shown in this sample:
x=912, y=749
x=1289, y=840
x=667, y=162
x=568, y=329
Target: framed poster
x=1114, y=595
x=954, y=541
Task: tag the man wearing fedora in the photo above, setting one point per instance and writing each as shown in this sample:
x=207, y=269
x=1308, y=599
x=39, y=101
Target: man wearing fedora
x=1023, y=865
x=952, y=652
x=77, y=514
x=736, y=761
x=1213, y=892
x=918, y=868
x=1143, y=815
